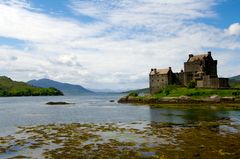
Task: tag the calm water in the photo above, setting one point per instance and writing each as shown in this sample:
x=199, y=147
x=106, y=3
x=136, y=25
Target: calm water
x=24, y=111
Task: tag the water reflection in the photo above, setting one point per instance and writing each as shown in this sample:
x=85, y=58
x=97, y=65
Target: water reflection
x=166, y=115
x=26, y=111
x=192, y=115
x=195, y=115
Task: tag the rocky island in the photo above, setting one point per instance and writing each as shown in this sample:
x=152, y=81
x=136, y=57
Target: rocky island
x=201, y=97
x=198, y=83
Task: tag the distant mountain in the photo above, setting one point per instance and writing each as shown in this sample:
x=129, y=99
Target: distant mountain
x=106, y=90
x=143, y=90
x=66, y=88
x=8, y=87
x=235, y=78
x=235, y=81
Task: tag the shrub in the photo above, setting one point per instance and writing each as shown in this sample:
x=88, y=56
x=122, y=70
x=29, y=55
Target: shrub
x=160, y=91
x=167, y=92
x=237, y=93
x=133, y=94
x=192, y=84
x=196, y=94
x=169, y=88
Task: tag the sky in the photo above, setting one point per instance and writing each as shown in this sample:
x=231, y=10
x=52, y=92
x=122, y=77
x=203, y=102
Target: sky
x=113, y=44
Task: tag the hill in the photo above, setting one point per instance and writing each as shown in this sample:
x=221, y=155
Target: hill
x=66, y=88
x=235, y=78
x=139, y=91
x=235, y=81
x=8, y=87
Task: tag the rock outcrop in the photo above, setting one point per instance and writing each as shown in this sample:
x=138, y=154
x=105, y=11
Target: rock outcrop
x=179, y=100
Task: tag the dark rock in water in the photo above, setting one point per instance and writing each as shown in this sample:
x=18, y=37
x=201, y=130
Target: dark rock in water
x=123, y=100
x=112, y=101
x=58, y=103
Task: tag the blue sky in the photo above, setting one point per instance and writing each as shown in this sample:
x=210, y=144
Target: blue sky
x=114, y=43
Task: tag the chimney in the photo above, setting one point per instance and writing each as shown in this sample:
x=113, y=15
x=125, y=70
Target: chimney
x=155, y=70
x=190, y=55
x=170, y=68
x=209, y=53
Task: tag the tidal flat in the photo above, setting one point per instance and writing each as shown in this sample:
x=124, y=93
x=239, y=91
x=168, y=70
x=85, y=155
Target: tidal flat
x=212, y=139
x=94, y=127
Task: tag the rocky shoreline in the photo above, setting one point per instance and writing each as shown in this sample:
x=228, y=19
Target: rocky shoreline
x=180, y=100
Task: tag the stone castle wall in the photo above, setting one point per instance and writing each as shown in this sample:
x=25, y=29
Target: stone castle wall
x=200, y=68
x=157, y=82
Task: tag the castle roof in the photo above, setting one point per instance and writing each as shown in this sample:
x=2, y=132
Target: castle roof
x=160, y=71
x=197, y=57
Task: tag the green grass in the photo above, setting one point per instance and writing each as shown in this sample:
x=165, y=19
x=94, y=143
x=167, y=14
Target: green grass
x=175, y=91
x=235, y=84
x=8, y=87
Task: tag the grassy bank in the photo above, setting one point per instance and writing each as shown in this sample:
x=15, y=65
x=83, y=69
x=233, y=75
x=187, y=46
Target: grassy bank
x=176, y=95
x=175, y=91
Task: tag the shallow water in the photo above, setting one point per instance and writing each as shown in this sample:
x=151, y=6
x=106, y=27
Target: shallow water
x=95, y=127
x=25, y=111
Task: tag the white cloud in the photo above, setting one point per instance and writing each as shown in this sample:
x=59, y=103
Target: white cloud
x=116, y=50
x=20, y=23
x=234, y=29
x=17, y=3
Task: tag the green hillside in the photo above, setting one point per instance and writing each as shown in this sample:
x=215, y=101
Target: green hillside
x=8, y=87
x=143, y=90
x=236, y=78
x=235, y=81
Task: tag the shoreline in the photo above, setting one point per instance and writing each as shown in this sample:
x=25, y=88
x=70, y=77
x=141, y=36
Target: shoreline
x=151, y=140
x=183, y=100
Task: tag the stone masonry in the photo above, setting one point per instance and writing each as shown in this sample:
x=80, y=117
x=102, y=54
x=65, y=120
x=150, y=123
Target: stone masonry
x=199, y=68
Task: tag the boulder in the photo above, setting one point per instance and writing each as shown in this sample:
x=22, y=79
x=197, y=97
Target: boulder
x=214, y=98
x=185, y=98
x=123, y=100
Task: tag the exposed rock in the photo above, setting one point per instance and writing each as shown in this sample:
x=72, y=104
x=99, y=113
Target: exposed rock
x=214, y=98
x=179, y=100
x=226, y=99
x=112, y=101
x=123, y=99
x=58, y=103
x=237, y=99
x=170, y=99
x=184, y=97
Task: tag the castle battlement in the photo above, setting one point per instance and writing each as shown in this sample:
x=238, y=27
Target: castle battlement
x=200, y=68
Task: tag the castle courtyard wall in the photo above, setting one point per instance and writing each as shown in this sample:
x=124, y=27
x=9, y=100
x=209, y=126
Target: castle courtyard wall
x=157, y=82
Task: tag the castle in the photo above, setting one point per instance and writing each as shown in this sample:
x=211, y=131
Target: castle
x=199, y=68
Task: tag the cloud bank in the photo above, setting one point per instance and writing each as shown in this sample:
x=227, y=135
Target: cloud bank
x=118, y=43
